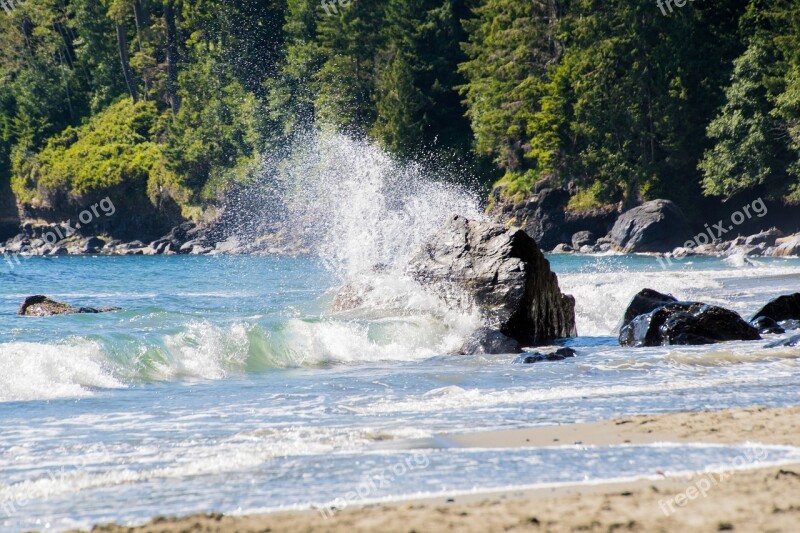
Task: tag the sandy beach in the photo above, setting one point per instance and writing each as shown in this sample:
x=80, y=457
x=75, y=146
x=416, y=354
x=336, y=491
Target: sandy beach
x=748, y=499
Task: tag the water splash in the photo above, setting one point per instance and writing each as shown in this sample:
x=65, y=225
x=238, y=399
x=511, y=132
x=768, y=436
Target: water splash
x=358, y=207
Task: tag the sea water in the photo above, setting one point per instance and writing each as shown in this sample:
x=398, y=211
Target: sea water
x=228, y=384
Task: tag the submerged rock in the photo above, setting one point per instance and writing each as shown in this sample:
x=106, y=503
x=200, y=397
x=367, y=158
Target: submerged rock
x=500, y=270
x=489, y=341
x=765, y=325
x=794, y=340
x=686, y=323
x=538, y=357
x=655, y=226
x=786, y=307
x=43, y=306
x=645, y=301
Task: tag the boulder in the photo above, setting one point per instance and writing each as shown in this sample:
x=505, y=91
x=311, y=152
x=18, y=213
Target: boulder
x=562, y=249
x=786, y=307
x=489, y=341
x=501, y=271
x=766, y=325
x=766, y=237
x=583, y=238
x=91, y=245
x=655, y=226
x=788, y=247
x=686, y=323
x=43, y=306
x=538, y=357
x=643, y=302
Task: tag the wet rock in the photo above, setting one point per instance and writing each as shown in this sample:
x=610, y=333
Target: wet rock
x=489, y=341
x=686, y=323
x=767, y=237
x=643, y=302
x=500, y=270
x=766, y=325
x=538, y=357
x=786, y=307
x=655, y=226
x=43, y=306
x=791, y=341
x=583, y=238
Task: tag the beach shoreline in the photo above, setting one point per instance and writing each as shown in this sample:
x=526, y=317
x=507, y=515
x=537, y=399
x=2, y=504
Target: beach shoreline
x=747, y=499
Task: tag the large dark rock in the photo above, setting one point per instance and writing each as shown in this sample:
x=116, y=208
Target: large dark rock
x=503, y=272
x=786, y=307
x=655, y=226
x=43, y=306
x=686, y=323
x=645, y=301
x=489, y=341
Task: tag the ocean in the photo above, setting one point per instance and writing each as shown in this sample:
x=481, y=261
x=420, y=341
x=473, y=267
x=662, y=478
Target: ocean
x=225, y=384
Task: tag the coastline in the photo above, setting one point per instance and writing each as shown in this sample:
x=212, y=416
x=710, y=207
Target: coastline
x=765, y=498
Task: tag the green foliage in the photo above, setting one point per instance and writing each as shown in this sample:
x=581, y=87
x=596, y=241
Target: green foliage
x=611, y=96
x=112, y=152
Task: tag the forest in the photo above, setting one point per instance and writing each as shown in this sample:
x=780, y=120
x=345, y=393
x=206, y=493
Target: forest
x=173, y=102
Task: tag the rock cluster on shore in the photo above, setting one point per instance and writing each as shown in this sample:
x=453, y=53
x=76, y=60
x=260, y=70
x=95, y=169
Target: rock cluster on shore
x=187, y=238
x=656, y=319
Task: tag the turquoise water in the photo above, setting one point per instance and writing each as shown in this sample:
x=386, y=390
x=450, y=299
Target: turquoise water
x=226, y=384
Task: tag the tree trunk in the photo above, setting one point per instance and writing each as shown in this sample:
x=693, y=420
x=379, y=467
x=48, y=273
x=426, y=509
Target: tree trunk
x=172, y=57
x=141, y=17
x=122, y=44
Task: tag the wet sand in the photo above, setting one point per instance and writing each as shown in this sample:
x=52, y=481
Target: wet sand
x=763, y=499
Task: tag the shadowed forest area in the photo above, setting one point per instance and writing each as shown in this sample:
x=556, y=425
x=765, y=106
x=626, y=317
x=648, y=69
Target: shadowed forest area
x=171, y=103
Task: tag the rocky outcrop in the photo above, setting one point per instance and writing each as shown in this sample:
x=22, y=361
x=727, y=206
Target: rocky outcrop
x=643, y=302
x=786, y=307
x=546, y=217
x=502, y=272
x=43, y=306
x=686, y=323
x=787, y=246
x=538, y=357
x=655, y=226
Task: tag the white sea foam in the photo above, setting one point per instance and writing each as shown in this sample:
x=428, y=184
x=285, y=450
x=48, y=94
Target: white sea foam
x=34, y=371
